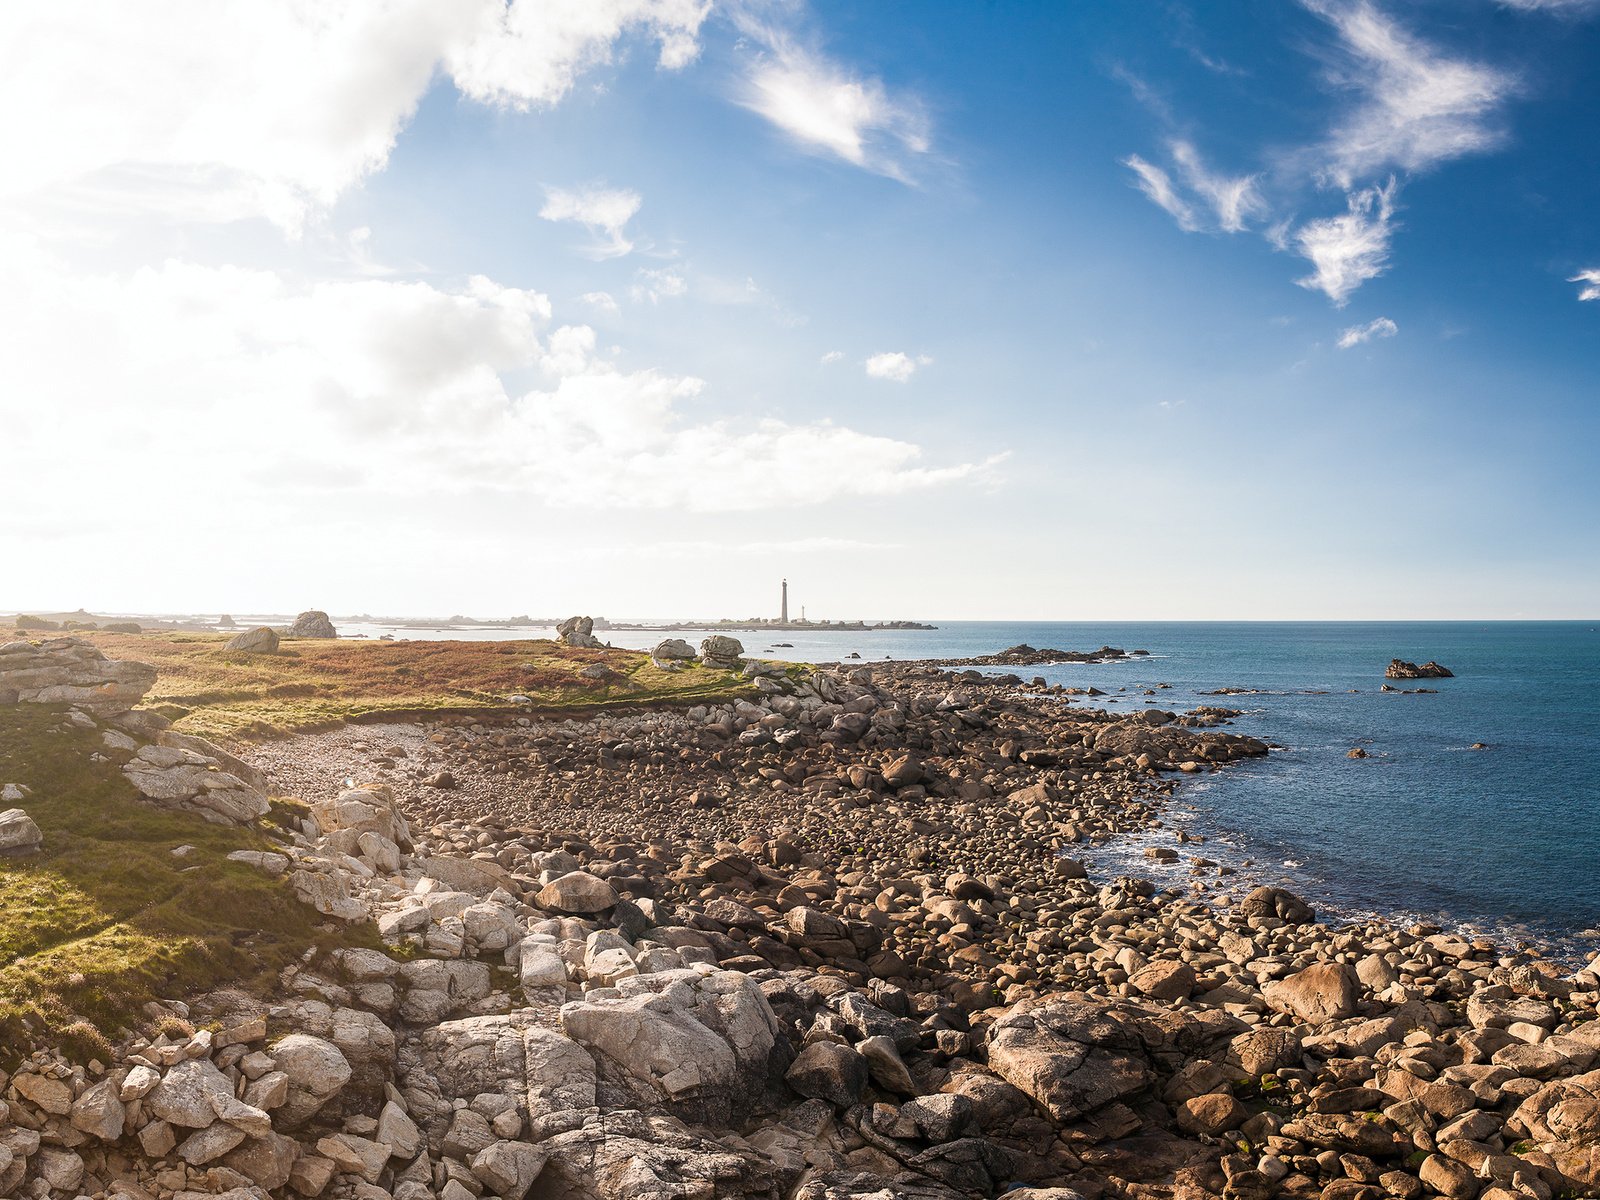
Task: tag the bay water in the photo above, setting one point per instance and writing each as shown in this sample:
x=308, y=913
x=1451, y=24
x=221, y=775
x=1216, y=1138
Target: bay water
x=1504, y=839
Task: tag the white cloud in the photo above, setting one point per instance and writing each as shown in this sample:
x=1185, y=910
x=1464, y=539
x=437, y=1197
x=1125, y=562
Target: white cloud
x=603, y=301
x=1558, y=7
x=1351, y=248
x=1382, y=327
x=1590, y=281
x=603, y=211
x=658, y=284
x=260, y=393
x=1234, y=200
x=829, y=110
x=895, y=366
x=832, y=356
x=222, y=110
x=1157, y=184
x=531, y=52
x=1418, y=106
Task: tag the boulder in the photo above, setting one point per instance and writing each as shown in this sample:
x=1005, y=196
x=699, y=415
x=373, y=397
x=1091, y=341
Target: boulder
x=579, y=632
x=69, y=670
x=578, y=893
x=719, y=650
x=828, y=1071
x=698, y=1042
x=1322, y=992
x=313, y=623
x=260, y=640
x=18, y=833
x=671, y=654
x=188, y=1095
x=1073, y=1053
x=317, y=1071
x=182, y=777
x=1164, y=979
x=1277, y=904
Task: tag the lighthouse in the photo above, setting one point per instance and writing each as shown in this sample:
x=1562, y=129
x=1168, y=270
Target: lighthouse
x=783, y=609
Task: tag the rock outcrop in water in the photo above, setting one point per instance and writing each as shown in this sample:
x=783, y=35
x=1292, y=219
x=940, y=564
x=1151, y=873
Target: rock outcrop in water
x=1400, y=669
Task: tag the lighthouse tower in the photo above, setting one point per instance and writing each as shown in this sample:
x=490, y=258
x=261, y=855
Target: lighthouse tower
x=783, y=610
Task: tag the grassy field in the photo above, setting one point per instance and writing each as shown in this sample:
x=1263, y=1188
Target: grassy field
x=107, y=918
x=309, y=684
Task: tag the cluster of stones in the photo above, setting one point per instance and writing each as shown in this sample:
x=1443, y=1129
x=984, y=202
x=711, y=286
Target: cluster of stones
x=169, y=769
x=1109, y=1038
x=853, y=963
x=578, y=632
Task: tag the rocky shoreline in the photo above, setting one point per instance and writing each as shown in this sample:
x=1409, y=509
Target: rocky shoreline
x=835, y=942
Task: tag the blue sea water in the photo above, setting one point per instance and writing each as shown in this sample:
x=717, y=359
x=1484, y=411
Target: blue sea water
x=1506, y=839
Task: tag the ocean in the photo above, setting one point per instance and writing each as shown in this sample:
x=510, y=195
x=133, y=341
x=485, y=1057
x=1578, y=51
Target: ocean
x=1505, y=840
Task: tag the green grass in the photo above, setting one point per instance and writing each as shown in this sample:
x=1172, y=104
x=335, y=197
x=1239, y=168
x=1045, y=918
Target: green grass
x=106, y=919
x=310, y=684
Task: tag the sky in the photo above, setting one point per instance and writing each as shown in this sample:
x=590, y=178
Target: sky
x=1263, y=309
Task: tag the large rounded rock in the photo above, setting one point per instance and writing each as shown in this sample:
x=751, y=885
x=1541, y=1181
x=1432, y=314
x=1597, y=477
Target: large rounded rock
x=578, y=893
x=313, y=623
x=18, y=833
x=317, y=1071
x=1321, y=993
x=669, y=655
x=720, y=650
x=1164, y=979
x=1277, y=904
x=259, y=640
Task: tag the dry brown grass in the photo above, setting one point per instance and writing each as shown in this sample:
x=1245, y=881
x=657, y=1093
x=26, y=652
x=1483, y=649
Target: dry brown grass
x=310, y=684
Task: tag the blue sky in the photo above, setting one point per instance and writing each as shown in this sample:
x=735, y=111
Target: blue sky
x=1147, y=310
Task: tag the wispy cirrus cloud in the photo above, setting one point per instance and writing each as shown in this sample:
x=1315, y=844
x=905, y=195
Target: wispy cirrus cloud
x=1589, y=282
x=603, y=211
x=1232, y=201
x=825, y=107
x=1410, y=105
x=1157, y=185
x=656, y=284
x=1416, y=105
x=1351, y=248
x=1567, y=8
x=1372, y=331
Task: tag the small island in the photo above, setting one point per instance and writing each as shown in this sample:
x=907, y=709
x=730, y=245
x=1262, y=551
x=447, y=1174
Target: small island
x=1401, y=669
